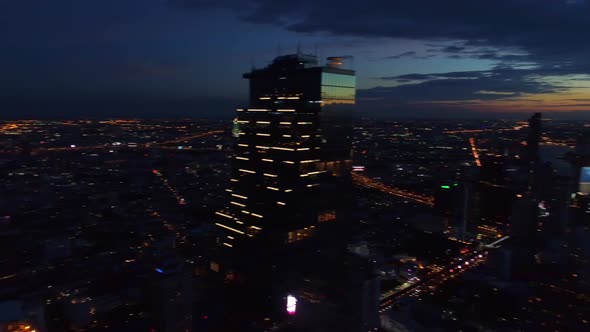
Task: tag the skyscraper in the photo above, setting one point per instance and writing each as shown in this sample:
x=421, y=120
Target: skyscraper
x=292, y=159
x=533, y=138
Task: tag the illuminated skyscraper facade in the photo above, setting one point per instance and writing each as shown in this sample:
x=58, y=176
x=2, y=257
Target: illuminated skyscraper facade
x=292, y=159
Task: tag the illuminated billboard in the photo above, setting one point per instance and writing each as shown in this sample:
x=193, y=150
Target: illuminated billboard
x=585, y=180
x=291, y=304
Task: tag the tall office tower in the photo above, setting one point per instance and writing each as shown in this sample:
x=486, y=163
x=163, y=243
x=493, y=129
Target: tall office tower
x=292, y=159
x=533, y=138
x=523, y=237
x=579, y=186
x=580, y=162
x=168, y=293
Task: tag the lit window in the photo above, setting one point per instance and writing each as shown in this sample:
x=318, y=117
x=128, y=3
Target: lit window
x=300, y=234
x=224, y=215
x=327, y=216
x=229, y=228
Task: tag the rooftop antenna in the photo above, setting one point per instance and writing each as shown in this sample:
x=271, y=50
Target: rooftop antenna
x=298, y=48
x=279, y=50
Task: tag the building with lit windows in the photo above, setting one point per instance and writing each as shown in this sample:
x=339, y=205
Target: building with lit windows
x=292, y=157
x=22, y=316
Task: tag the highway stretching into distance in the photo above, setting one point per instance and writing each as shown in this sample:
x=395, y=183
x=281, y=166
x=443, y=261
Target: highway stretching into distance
x=373, y=184
x=147, y=145
x=434, y=279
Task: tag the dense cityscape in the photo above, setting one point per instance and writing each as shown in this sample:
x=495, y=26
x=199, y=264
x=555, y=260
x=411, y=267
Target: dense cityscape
x=307, y=166
x=454, y=225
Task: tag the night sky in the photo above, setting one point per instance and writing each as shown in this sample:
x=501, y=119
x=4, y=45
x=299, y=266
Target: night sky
x=430, y=58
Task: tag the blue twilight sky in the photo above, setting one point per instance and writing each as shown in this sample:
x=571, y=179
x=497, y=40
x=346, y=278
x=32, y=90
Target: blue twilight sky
x=186, y=57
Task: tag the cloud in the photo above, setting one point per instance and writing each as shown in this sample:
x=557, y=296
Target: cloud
x=555, y=29
x=453, y=49
x=434, y=76
x=409, y=77
x=402, y=55
x=464, y=89
x=536, y=46
x=499, y=93
x=409, y=55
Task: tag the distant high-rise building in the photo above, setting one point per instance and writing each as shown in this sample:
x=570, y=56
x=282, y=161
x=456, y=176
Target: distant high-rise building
x=169, y=296
x=533, y=138
x=524, y=220
x=292, y=158
x=580, y=161
x=579, y=187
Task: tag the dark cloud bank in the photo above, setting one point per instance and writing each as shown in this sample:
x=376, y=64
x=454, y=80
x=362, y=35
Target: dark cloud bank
x=527, y=39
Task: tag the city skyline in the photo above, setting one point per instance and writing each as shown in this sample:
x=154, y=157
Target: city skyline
x=157, y=58
x=258, y=165
x=111, y=225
